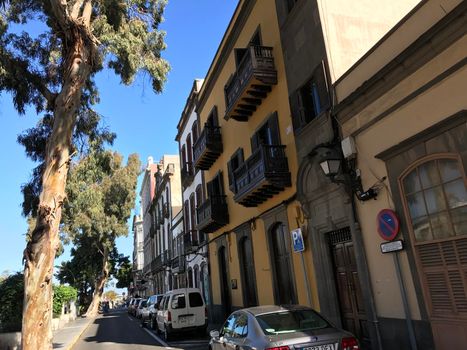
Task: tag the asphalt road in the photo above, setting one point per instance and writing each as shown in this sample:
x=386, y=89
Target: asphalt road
x=119, y=331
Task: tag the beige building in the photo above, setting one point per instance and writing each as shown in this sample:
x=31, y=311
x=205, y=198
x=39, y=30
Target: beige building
x=404, y=107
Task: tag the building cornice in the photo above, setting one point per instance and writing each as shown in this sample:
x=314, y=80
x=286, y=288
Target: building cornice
x=228, y=41
x=439, y=37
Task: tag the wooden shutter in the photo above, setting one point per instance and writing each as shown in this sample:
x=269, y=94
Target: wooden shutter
x=296, y=109
x=320, y=79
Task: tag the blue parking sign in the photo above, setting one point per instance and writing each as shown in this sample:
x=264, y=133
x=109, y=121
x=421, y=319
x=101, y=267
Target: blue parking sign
x=297, y=240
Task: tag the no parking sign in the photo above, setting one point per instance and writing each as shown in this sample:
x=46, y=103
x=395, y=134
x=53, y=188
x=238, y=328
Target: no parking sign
x=388, y=224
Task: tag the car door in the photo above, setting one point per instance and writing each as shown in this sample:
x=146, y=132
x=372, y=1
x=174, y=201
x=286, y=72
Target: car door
x=162, y=311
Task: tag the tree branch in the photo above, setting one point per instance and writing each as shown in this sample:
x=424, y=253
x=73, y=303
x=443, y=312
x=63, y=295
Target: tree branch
x=60, y=11
x=87, y=11
x=20, y=67
x=76, y=7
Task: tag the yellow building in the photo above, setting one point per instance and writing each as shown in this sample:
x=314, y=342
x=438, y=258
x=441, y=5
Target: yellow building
x=404, y=107
x=247, y=151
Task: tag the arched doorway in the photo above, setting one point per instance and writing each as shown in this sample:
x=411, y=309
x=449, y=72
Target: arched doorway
x=247, y=267
x=224, y=282
x=284, y=289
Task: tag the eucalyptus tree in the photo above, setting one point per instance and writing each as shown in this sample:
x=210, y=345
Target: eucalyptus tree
x=101, y=192
x=53, y=72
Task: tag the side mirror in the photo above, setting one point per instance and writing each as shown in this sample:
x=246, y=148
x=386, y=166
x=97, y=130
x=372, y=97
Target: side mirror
x=214, y=334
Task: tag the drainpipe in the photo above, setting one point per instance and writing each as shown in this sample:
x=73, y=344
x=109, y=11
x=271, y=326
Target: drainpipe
x=363, y=274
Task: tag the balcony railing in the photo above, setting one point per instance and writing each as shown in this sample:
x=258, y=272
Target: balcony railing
x=208, y=147
x=187, y=174
x=264, y=174
x=191, y=241
x=212, y=214
x=250, y=83
x=156, y=264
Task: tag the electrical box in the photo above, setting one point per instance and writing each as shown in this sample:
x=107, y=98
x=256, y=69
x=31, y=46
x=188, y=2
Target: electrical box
x=348, y=147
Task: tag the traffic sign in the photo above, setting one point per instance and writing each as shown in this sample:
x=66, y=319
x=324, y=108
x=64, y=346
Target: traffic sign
x=297, y=239
x=388, y=224
x=393, y=246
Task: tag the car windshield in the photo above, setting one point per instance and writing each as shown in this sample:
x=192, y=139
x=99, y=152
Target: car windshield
x=291, y=321
x=143, y=304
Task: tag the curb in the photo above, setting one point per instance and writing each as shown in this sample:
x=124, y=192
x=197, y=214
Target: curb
x=76, y=338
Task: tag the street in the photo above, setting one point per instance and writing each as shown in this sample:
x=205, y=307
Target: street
x=118, y=330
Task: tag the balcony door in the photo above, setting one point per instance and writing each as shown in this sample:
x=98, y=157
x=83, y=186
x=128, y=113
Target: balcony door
x=267, y=134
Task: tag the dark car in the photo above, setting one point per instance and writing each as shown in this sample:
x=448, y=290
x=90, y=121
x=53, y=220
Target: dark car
x=280, y=328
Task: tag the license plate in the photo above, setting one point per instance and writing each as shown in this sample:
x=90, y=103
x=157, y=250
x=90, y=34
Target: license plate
x=182, y=319
x=321, y=347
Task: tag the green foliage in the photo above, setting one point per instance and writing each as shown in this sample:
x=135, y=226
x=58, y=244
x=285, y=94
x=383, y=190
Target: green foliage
x=123, y=272
x=123, y=35
x=62, y=295
x=11, y=302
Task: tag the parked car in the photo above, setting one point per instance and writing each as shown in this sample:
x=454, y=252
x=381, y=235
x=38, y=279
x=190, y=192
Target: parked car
x=280, y=327
x=182, y=310
x=152, y=307
x=141, y=308
x=133, y=305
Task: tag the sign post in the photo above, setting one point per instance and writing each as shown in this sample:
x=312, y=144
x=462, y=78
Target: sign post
x=388, y=228
x=299, y=247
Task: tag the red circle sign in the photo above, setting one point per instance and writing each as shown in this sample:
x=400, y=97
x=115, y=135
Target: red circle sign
x=388, y=224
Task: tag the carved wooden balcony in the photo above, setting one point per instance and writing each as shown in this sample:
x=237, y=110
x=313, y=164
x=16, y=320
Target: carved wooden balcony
x=212, y=214
x=250, y=84
x=191, y=241
x=187, y=174
x=208, y=147
x=264, y=174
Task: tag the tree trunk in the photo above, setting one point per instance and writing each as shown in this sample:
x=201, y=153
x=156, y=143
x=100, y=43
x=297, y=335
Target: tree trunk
x=99, y=288
x=43, y=242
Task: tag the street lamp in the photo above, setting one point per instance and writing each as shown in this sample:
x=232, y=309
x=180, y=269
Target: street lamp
x=342, y=171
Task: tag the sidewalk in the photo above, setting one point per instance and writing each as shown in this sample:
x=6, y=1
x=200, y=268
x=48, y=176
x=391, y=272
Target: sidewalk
x=66, y=337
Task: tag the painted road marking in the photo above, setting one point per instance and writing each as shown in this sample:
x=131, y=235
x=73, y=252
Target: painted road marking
x=159, y=340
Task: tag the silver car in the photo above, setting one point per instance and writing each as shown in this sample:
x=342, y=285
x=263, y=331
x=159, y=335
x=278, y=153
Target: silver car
x=280, y=328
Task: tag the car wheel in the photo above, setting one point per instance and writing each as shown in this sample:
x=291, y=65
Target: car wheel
x=167, y=335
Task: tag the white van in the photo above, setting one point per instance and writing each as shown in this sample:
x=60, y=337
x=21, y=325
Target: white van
x=182, y=310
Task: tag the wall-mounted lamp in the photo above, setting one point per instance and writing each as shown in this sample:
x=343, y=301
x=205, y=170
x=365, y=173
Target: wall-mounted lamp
x=340, y=170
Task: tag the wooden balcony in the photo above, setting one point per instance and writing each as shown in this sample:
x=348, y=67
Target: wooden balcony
x=250, y=84
x=191, y=241
x=208, y=147
x=212, y=214
x=264, y=174
x=187, y=174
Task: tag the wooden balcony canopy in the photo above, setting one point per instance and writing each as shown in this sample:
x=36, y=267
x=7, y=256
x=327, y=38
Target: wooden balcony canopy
x=208, y=147
x=251, y=83
x=212, y=214
x=264, y=174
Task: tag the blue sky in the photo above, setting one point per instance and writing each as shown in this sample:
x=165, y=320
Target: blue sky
x=145, y=123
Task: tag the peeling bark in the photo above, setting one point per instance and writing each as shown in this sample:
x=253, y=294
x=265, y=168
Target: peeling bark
x=40, y=251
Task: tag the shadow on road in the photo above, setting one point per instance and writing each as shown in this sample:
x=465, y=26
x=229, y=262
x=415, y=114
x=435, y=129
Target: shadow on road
x=116, y=327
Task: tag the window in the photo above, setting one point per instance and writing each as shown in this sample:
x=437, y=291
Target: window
x=194, y=132
x=215, y=187
x=186, y=216
x=228, y=328
x=192, y=213
x=267, y=134
x=291, y=321
x=241, y=326
x=190, y=153
x=212, y=118
x=195, y=299
x=233, y=164
x=436, y=199
x=178, y=301
x=307, y=102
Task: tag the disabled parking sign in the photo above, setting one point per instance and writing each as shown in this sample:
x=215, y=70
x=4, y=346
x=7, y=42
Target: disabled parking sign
x=297, y=240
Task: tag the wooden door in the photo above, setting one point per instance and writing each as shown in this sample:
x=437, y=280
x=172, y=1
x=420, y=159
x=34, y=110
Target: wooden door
x=348, y=287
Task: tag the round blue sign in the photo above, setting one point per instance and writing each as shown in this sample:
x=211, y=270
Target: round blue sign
x=388, y=224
